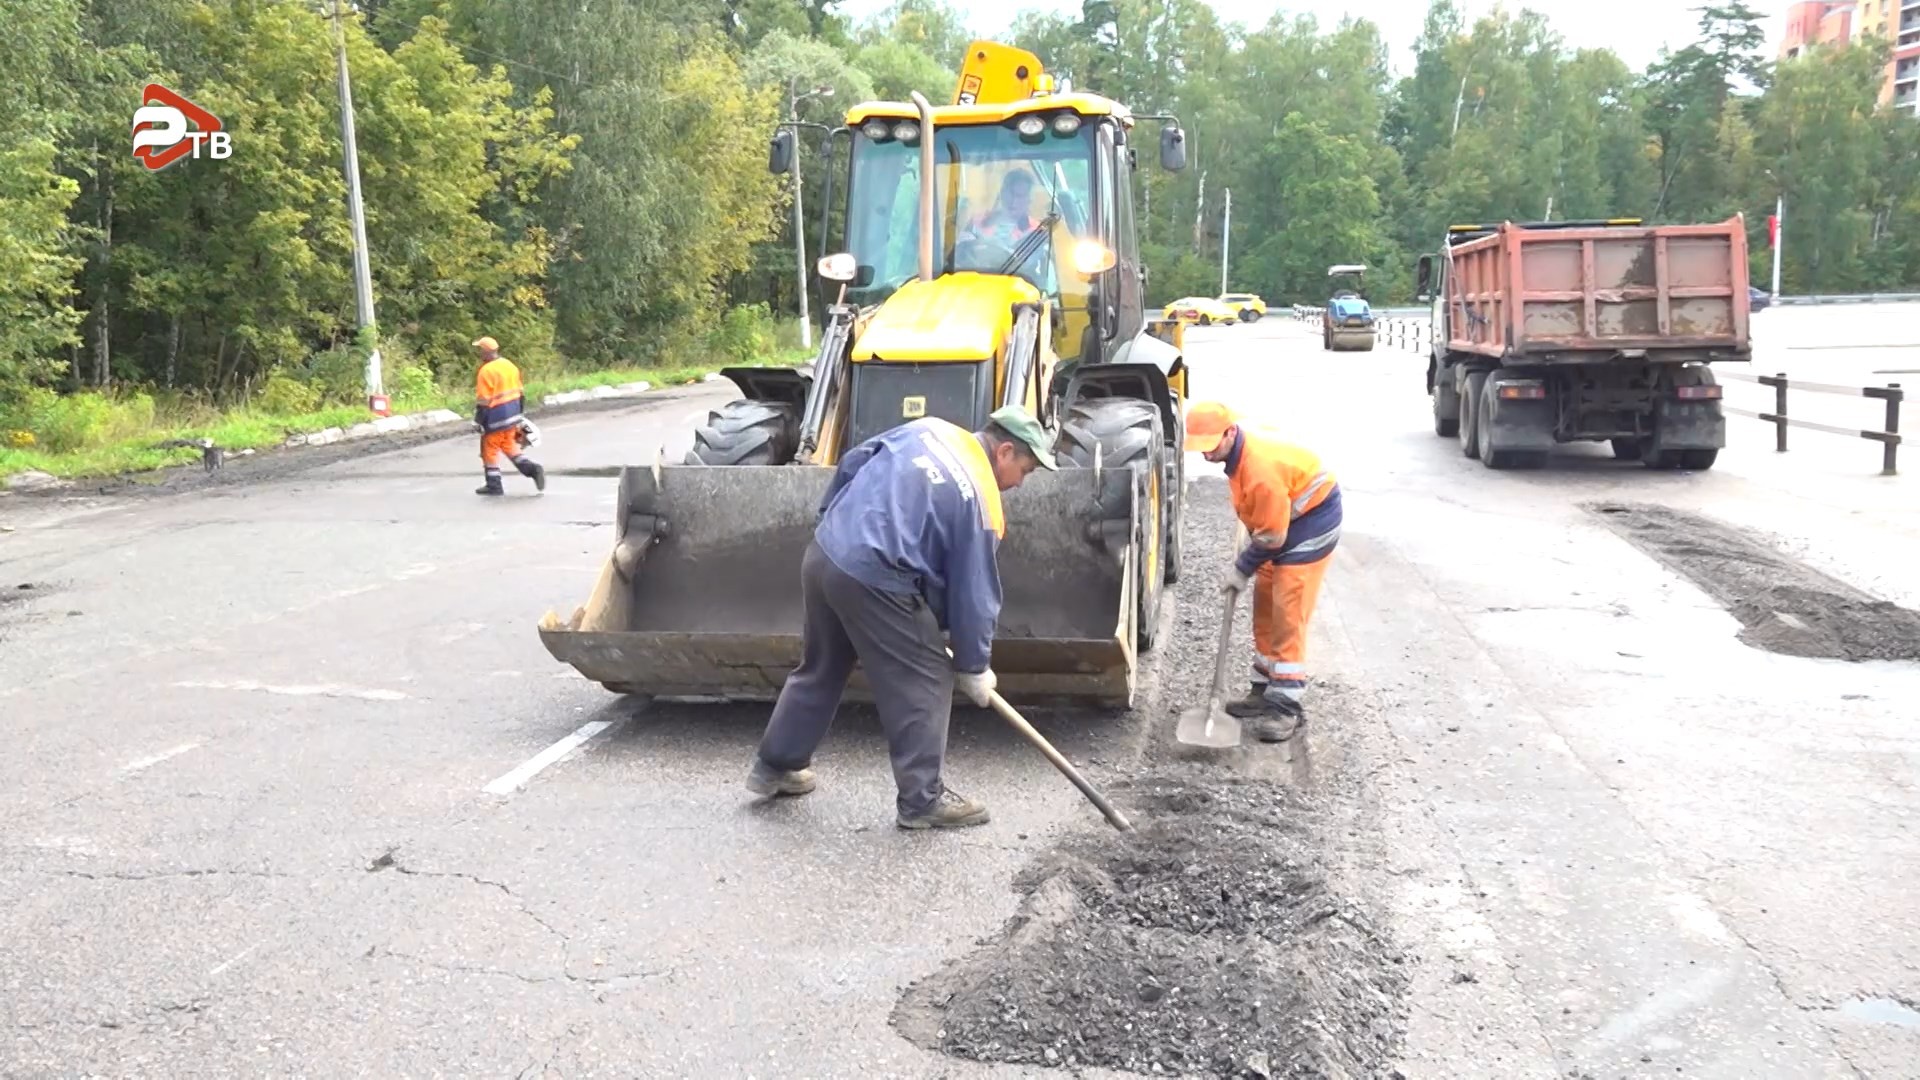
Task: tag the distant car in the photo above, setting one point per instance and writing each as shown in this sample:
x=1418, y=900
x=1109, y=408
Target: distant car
x=1247, y=306
x=1758, y=299
x=1201, y=309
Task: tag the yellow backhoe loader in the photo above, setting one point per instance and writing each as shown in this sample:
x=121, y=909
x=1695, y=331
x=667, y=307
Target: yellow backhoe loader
x=989, y=258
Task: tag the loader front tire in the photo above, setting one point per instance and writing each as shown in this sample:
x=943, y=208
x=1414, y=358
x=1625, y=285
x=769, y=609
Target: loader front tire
x=746, y=432
x=1130, y=435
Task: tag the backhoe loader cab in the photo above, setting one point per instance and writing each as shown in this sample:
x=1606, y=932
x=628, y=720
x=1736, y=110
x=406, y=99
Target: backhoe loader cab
x=989, y=258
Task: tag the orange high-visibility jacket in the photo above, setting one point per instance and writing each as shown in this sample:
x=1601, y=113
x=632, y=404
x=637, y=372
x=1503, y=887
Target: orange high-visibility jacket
x=496, y=395
x=1286, y=498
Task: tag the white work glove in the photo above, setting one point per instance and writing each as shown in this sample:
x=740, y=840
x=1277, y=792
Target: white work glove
x=976, y=686
x=1233, y=581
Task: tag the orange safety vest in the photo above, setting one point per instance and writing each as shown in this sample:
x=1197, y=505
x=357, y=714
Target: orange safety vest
x=1274, y=483
x=496, y=394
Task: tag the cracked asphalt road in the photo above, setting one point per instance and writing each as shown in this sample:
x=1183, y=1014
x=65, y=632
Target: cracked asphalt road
x=243, y=825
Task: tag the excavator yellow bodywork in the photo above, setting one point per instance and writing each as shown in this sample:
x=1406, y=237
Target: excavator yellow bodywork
x=990, y=259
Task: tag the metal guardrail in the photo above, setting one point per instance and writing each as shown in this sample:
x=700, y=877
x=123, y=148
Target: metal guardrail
x=1891, y=393
x=1416, y=335
x=1848, y=298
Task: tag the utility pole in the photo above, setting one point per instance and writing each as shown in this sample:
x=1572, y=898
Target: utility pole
x=1226, y=240
x=794, y=98
x=1199, y=215
x=362, y=275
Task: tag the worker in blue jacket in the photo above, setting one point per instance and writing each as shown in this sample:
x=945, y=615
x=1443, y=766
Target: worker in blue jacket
x=906, y=548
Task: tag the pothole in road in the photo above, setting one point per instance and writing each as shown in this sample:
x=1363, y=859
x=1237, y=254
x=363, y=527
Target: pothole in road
x=1783, y=605
x=1211, y=942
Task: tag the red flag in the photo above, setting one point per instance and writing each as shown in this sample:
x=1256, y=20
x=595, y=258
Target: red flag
x=1773, y=230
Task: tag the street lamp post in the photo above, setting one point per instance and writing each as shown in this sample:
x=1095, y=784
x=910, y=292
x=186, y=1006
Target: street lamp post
x=794, y=98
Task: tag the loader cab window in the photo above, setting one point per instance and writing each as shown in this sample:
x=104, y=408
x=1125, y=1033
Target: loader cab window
x=993, y=187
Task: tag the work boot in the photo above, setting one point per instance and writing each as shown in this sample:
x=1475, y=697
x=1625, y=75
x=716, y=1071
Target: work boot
x=491, y=487
x=533, y=471
x=764, y=779
x=950, y=811
x=1270, y=715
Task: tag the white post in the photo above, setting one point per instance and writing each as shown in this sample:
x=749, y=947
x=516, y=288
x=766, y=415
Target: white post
x=1779, y=237
x=800, y=247
x=362, y=274
x=1226, y=238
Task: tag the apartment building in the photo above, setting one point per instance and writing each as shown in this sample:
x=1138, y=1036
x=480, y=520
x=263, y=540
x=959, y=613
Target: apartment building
x=1821, y=22
x=1814, y=22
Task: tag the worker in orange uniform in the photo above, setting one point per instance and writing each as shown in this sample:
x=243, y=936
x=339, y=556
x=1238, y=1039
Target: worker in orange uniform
x=497, y=411
x=1290, y=504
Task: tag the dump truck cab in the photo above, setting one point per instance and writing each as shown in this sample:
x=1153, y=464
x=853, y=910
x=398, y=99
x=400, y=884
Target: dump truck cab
x=988, y=258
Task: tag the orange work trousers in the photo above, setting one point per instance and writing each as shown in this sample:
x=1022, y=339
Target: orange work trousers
x=1283, y=599
x=499, y=446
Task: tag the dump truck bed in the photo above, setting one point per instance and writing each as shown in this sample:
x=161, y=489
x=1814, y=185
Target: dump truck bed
x=1584, y=294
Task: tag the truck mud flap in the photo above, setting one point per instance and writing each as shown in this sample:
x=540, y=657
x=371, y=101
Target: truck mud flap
x=701, y=597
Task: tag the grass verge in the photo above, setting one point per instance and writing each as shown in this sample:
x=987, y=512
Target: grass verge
x=249, y=428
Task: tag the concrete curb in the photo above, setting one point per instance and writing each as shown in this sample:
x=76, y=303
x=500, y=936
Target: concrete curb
x=385, y=425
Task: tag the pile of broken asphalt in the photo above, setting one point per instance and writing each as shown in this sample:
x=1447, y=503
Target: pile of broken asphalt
x=1217, y=940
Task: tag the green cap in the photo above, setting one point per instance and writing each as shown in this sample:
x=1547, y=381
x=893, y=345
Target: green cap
x=1021, y=425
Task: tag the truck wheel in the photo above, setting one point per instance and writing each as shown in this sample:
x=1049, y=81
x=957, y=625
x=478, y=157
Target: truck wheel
x=1469, y=425
x=1446, y=404
x=1128, y=432
x=746, y=432
x=1661, y=459
x=1698, y=460
x=1626, y=449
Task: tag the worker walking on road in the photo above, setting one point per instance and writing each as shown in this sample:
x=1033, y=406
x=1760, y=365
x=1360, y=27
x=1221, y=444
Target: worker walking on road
x=1290, y=504
x=497, y=410
x=907, y=547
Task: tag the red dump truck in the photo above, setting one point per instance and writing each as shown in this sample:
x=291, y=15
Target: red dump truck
x=1570, y=331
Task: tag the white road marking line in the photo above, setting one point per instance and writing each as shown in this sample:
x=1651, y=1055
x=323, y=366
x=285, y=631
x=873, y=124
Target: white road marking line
x=236, y=958
x=468, y=630
x=132, y=767
x=533, y=766
x=298, y=691
x=414, y=571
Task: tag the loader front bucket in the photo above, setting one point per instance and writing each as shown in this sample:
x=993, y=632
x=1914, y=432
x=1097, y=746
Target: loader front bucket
x=701, y=597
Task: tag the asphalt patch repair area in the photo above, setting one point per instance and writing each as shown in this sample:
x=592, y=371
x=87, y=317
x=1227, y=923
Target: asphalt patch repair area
x=1211, y=942
x=1783, y=605
x=1218, y=939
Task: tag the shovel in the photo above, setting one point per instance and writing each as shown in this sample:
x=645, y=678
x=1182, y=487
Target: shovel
x=1209, y=724
x=1012, y=716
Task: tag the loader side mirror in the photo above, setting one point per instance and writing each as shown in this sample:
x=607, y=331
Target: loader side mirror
x=1173, y=148
x=1423, y=279
x=780, y=152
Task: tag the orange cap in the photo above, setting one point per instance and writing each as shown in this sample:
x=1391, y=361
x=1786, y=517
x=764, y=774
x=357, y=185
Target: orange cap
x=487, y=344
x=1207, y=421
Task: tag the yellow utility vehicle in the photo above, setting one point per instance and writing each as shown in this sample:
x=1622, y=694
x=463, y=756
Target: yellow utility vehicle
x=989, y=258
x=1248, y=307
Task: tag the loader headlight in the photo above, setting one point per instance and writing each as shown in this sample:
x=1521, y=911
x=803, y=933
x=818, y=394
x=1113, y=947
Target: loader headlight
x=1092, y=257
x=906, y=131
x=839, y=266
x=1031, y=126
x=1066, y=124
x=875, y=130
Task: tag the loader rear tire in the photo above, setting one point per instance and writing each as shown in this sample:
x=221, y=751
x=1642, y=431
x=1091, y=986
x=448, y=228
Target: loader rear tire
x=1129, y=433
x=746, y=432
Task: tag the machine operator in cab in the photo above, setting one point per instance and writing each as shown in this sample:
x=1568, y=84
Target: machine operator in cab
x=907, y=547
x=1290, y=504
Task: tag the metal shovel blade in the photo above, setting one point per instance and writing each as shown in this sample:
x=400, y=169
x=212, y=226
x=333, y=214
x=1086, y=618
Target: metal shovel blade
x=1209, y=726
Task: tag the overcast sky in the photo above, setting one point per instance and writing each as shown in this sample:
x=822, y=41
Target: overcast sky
x=1635, y=29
